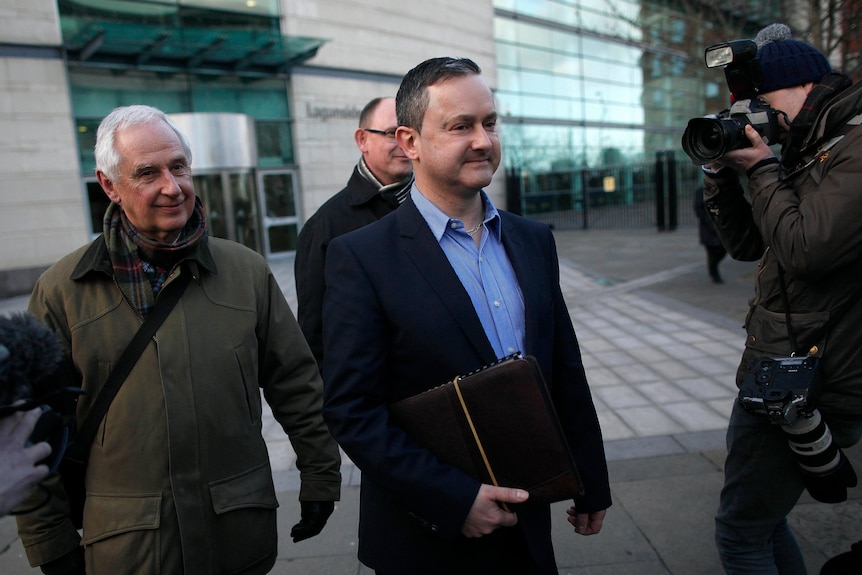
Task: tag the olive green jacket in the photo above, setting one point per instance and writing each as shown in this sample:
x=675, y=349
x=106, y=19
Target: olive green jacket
x=179, y=479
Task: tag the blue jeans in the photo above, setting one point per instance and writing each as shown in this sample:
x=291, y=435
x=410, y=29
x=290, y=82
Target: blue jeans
x=762, y=483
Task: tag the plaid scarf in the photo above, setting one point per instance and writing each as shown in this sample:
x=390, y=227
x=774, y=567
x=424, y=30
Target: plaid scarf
x=142, y=265
x=832, y=84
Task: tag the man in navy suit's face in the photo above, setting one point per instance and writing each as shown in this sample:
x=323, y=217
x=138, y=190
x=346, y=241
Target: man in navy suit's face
x=457, y=150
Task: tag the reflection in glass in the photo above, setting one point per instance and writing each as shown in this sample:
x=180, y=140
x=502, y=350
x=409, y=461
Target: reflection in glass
x=274, y=145
x=86, y=130
x=244, y=207
x=98, y=204
x=282, y=238
x=278, y=195
x=260, y=7
x=209, y=190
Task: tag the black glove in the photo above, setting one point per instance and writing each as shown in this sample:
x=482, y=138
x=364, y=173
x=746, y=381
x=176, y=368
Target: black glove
x=314, y=516
x=72, y=563
x=831, y=487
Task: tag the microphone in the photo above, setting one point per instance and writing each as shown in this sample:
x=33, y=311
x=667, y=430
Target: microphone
x=30, y=354
x=33, y=374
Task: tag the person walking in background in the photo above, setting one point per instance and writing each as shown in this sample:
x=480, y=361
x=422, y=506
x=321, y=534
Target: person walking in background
x=380, y=181
x=179, y=478
x=708, y=237
x=442, y=286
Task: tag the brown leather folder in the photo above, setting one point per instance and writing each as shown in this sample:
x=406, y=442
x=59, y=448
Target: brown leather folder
x=499, y=425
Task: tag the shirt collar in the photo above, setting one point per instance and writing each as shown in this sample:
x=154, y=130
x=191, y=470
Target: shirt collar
x=440, y=222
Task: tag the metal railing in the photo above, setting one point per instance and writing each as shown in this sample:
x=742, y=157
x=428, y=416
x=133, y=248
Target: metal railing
x=658, y=194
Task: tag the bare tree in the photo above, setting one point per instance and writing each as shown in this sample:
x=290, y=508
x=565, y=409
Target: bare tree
x=832, y=26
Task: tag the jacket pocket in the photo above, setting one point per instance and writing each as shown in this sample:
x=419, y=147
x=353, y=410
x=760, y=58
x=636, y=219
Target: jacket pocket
x=768, y=335
x=245, y=523
x=250, y=386
x=121, y=533
x=767, y=332
x=109, y=515
x=252, y=488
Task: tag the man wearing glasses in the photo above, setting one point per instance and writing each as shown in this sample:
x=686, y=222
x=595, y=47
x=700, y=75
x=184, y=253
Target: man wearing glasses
x=380, y=181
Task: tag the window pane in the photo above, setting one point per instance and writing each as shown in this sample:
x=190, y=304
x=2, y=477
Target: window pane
x=278, y=195
x=274, y=143
x=282, y=238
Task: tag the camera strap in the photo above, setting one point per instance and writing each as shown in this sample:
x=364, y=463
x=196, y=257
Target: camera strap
x=790, y=335
x=79, y=450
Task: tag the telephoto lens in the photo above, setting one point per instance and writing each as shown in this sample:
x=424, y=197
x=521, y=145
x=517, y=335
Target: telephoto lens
x=707, y=139
x=826, y=471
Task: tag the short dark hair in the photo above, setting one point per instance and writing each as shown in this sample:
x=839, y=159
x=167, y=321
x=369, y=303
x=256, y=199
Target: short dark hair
x=411, y=103
x=368, y=111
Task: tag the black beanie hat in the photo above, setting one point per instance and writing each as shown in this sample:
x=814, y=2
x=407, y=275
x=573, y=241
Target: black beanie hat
x=786, y=62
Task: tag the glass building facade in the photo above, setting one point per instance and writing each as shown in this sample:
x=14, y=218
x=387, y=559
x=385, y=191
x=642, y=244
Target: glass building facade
x=594, y=96
x=594, y=92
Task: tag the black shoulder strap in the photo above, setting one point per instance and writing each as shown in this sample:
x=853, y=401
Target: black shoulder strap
x=80, y=448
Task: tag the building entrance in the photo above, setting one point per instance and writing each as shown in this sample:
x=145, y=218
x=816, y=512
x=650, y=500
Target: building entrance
x=277, y=189
x=256, y=208
x=231, y=206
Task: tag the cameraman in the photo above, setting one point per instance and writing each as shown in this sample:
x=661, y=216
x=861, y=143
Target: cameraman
x=19, y=468
x=804, y=223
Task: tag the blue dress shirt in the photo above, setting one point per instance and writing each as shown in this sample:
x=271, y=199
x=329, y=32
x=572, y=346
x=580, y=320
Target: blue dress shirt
x=485, y=272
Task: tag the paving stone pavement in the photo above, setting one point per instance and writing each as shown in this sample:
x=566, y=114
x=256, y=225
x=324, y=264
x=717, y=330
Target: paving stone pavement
x=660, y=343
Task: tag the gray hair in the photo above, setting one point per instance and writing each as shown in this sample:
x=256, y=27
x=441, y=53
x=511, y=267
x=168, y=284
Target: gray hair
x=107, y=158
x=411, y=103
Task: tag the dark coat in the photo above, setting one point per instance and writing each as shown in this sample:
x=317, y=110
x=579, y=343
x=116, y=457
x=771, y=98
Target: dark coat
x=809, y=222
x=397, y=321
x=706, y=232
x=358, y=204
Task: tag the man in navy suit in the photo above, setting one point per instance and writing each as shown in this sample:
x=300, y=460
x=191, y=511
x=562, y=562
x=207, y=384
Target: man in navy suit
x=438, y=288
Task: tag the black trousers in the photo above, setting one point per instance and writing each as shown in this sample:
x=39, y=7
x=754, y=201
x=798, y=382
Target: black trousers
x=514, y=560
x=714, y=255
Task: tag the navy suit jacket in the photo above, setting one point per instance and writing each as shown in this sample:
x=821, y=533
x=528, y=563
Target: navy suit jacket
x=397, y=321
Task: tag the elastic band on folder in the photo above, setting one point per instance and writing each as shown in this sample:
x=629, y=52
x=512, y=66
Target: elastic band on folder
x=476, y=438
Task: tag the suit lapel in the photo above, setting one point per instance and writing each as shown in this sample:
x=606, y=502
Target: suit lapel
x=432, y=264
x=529, y=276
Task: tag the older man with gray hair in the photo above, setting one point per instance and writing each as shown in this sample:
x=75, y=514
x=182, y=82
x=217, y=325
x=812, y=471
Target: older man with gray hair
x=178, y=479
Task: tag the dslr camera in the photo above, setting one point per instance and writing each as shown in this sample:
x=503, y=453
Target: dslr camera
x=783, y=388
x=708, y=139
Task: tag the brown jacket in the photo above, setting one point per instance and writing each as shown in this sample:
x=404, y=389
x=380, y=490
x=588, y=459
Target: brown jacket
x=810, y=223
x=179, y=479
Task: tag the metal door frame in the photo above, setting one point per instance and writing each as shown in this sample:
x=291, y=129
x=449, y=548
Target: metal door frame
x=268, y=222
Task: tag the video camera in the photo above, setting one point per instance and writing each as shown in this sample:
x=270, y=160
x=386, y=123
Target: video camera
x=33, y=374
x=708, y=139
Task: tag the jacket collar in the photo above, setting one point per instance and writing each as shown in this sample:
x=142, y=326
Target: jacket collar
x=97, y=259
x=364, y=186
x=360, y=190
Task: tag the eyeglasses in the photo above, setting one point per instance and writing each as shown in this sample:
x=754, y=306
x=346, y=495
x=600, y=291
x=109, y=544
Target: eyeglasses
x=390, y=134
